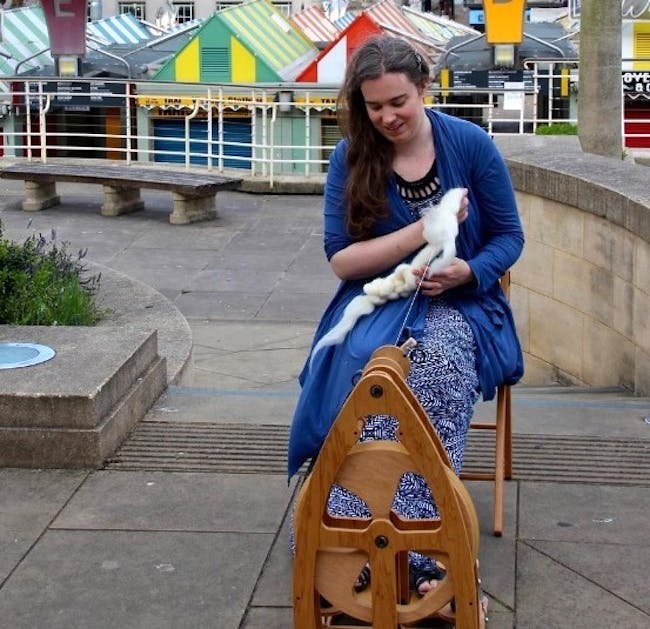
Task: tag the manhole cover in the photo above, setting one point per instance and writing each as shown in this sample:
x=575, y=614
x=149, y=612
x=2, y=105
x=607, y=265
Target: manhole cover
x=13, y=355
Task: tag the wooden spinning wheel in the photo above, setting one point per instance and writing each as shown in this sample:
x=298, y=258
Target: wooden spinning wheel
x=331, y=552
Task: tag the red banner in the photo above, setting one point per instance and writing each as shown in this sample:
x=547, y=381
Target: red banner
x=66, y=24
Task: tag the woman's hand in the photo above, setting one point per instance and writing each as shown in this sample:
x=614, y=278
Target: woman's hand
x=455, y=274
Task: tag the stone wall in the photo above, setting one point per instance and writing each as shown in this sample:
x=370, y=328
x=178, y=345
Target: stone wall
x=581, y=290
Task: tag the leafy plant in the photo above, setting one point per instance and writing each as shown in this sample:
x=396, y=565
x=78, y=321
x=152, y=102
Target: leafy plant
x=41, y=283
x=557, y=128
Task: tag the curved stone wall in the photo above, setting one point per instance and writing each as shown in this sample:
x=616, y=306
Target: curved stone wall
x=132, y=305
x=581, y=290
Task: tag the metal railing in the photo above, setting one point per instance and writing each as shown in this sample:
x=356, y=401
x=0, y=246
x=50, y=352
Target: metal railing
x=268, y=130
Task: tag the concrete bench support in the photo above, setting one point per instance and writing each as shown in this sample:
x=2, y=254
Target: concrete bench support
x=189, y=209
x=39, y=196
x=120, y=200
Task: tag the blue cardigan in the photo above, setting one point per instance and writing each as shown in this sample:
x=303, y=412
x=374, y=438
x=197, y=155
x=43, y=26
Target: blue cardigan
x=490, y=240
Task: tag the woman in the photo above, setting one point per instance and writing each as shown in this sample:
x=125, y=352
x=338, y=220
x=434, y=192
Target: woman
x=397, y=158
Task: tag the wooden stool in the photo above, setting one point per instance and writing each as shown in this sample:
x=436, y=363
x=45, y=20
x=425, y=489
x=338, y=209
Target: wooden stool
x=502, y=427
x=332, y=551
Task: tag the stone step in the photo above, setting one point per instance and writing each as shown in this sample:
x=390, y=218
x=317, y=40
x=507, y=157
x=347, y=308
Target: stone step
x=92, y=370
x=75, y=409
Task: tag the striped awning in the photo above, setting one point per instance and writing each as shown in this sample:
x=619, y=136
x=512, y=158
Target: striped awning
x=24, y=38
x=119, y=29
x=437, y=28
x=314, y=23
x=345, y=20
x=387, y=14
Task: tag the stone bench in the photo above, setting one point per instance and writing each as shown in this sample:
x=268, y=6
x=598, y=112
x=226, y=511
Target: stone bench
x=194, y=194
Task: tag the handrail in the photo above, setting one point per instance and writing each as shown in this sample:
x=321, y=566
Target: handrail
x=110, y=55
x=545, y=43
x=247, y=126
x=26, y=59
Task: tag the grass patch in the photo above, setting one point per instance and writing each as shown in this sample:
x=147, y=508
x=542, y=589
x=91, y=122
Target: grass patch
x=41, y=283
x=557, y=128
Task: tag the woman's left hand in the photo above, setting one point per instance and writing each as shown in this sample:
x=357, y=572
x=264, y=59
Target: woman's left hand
x=455, y=274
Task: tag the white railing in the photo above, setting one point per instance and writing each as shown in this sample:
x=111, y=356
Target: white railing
x=269, y=130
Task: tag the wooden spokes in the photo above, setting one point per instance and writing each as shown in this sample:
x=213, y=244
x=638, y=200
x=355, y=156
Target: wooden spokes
x=332, y=551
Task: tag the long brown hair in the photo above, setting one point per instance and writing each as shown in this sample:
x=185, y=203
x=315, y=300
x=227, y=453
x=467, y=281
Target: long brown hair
x=370, y=154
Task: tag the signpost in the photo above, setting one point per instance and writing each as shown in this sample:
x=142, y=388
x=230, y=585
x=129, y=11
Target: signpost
x=504, y=21
x=66, y=25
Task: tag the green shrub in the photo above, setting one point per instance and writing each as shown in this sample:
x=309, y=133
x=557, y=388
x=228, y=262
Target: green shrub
x=42, y=284
x=557, y=128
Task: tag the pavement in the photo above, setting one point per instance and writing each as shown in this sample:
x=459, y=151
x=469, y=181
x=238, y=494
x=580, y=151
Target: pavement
x=159, y=539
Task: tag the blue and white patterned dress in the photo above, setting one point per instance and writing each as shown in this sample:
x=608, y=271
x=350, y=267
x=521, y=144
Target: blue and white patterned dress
x=444, y=379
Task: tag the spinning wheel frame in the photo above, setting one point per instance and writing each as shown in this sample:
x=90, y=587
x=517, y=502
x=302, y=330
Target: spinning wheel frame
x=330, y=552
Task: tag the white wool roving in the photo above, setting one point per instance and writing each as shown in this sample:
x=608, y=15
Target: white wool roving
x=440, y=230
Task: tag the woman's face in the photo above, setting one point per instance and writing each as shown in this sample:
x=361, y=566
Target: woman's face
x=394, y=106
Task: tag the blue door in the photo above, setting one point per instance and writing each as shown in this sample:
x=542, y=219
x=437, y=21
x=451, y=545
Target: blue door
x=169, y=142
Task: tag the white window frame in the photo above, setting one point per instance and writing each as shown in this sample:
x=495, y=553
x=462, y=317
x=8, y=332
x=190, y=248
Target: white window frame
x=138, y=9
x=284, y=6
x=184, y=11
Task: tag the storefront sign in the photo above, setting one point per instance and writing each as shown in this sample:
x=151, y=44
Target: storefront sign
x=492, y=79
x=76, y=94
x=636, y=83
x=166, y=101
x=636, y=9
x=630, y=9
x=316, y=102
x=66, y=24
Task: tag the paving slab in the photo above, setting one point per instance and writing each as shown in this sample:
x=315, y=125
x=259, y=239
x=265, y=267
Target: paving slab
x=159, y=501
x=242, y=355
x=568, y=512
x=221, y=405
x=322, y=285
x=30, y=500
x=497, y=555
x=285, y=304
x=222, y=305
x=78, y=579
x=273, y=588
x=232, y=280
x=268, y=618
x=547, y=411
x=552, y=596
x=199, y=238
x=621, y=569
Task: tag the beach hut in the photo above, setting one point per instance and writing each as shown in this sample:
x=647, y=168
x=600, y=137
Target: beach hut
x=329, y=66
x=251, y=42
x=247, y=44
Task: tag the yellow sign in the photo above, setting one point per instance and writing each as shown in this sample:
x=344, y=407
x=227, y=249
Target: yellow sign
x=178, y=102
x=166, y=101
x=504, y=21
x=316, y=100
x=445, y=80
